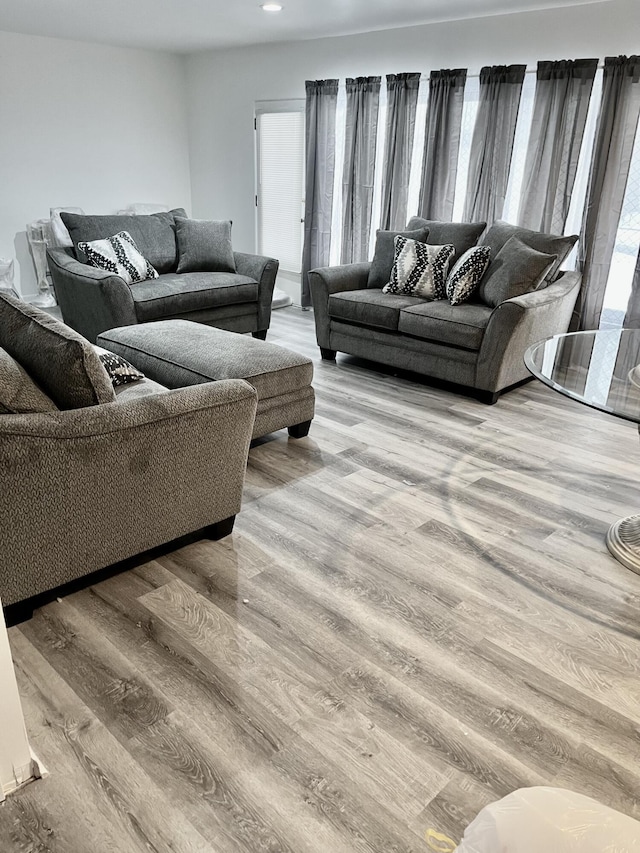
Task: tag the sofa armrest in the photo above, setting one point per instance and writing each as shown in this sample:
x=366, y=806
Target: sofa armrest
x=91, y=300
x=519, y=322
x=90, y=487
x=264, y=271
x=327, y=280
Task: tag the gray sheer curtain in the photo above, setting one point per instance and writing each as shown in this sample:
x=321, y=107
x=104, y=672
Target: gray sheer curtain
x=402, y=100
x=442, y=143
x=363, y=98
x=320, y=137
x=563, y=90
x=632, y=315
x=615, y=135
x=492, y=142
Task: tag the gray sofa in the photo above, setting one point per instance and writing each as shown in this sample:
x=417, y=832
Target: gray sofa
x=93, y=300
x=472, y=344
x=92, y=475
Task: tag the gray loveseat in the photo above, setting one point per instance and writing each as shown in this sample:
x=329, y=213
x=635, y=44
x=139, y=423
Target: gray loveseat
x=92, y=475
x=93, y=300
x=472, y=344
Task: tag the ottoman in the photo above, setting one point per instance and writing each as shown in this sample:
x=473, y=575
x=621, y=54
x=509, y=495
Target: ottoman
x=177, y=353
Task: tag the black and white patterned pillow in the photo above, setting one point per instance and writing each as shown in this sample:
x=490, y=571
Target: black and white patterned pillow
x=119, y=255
x=120, y=371
x=419, y=269
x=466, y=274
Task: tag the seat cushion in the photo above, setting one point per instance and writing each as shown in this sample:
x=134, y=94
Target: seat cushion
x=456, y=325
x=192, y=291
x=370, y=307
x=179, y=352
x=550, y=244
x=61, y=361
x=154, y=235
x=461, y=235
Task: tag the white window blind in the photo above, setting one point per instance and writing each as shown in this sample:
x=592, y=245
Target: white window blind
x=280, y=196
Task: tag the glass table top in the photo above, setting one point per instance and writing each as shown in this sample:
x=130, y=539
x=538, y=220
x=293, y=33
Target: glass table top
x=600, y=369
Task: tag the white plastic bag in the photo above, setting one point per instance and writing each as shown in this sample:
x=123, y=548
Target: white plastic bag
x=6, y=276
x=550, y=820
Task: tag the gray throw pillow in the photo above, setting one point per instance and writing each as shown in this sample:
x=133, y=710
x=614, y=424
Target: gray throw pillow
x=461, y=235
x=19, y=394
x=153, y=234
x=204, y=245
x=384, y=254
x=516, y=269
x=59, y=360
x=550, y=244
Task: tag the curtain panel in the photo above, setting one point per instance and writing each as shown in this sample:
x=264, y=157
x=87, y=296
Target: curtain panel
x=402, y=101
x=492, y=142
x=563, y=91
x=363, y=98
x=615, y=136
x=320, y=141
x=442, y=143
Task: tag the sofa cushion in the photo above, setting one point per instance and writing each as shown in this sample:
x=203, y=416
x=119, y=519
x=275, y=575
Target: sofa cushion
x=550, y=244
x=455, y=325
x=181, y=293
x=19, y=394
x=204, y=245
x=384, y=254
x=466, y=274
x=370, y=307
x=461, y=235
x=419, y=269
x=154, y=235
x=144, y=388
x=515, y=270
x=61, y=361
x=119, y=255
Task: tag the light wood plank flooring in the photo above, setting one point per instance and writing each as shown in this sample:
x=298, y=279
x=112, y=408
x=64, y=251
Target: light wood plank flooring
x=415, y=615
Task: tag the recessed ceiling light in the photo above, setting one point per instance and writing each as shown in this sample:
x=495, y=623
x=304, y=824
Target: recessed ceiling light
x=271, y=7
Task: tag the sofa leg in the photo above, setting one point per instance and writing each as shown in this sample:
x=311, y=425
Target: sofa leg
x=219, y=529
x=327, y=354
x=261, y=334
x=488, y=397
x=299, y=430
x=14, y=614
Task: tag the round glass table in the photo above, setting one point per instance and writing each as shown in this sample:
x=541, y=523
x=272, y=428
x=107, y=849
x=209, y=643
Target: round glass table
x=600, y=369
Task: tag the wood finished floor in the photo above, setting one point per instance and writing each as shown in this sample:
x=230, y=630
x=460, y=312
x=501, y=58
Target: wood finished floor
x=415, y=615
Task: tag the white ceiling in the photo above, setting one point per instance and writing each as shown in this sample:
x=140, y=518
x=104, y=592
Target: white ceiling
x=188, y=25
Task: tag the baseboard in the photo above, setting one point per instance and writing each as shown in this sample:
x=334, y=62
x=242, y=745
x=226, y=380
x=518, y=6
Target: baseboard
x=24, y=775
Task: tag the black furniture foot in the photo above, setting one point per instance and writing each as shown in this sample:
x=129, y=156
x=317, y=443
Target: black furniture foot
x=14, y=614
x=488, y=397
x=299, y=430
x=327, y=354
x=261, y=334
x=219, y=529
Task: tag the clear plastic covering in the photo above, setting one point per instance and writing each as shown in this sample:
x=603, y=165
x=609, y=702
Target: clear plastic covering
x=550, y=820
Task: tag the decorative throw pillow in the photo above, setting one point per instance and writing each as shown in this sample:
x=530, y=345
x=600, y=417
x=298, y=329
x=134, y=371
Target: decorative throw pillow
x=204, y=245
x=461, y=235
x=19, y=394
x=466, y=274
x=419, y=269
x=120, y=371
x=516, y=269
x=551, y=244
x=119, y=255
x=384, y=255
x=61, y=361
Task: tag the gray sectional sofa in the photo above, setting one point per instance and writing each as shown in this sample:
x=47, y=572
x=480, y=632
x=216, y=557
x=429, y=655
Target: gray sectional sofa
x=93, y=300
x=92, y=475
x=473, y=344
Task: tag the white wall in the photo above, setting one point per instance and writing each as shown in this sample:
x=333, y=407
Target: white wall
x=86, y=125
x=223, y=86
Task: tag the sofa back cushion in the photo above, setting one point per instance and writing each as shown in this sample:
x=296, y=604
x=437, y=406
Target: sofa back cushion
x=550, y=244
x=461, y=235
x=61, y=361
x=19, y=394
x=384, y=254
x=154, y=235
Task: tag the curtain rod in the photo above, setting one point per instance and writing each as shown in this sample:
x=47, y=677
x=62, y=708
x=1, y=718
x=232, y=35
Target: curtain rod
x=425, y=77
